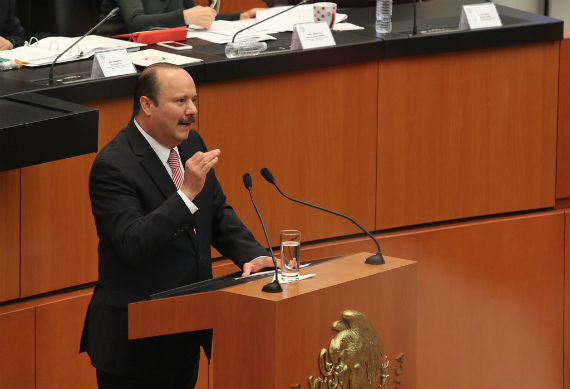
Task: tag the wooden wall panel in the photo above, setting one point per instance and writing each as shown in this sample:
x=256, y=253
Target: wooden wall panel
x=489, y=301
x=17, y=355
x=315, y=130
x=59, y=242
x=567, y=299
x=563, y=151
x=114, y=115
x=467, y=133
x=9, y=235
x=58, y=332
x=489, y=298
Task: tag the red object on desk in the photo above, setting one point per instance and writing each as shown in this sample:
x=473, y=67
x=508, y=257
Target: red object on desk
x=154, y=36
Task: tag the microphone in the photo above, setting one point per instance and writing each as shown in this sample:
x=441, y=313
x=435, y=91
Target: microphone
x=272, y=287
x=113, y=12
x=415, y=26
x=242, y=49
x=376, y=259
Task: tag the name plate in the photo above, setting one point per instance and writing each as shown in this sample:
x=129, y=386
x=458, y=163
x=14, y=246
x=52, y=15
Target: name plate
x=479, y=16
x=112, y=63
x=311, y=35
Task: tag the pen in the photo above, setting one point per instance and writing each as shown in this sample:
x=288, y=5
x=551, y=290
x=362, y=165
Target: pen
x=213, y=3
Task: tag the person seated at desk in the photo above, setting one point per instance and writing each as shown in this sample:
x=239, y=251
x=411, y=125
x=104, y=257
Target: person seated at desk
x=12, y=33
x=340, y=3
x=143, y=15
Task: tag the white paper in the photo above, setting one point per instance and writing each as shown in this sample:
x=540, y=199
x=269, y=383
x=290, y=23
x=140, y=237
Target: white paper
x=47, y=49
x=150, y=56
x=479, y=16
x=112, y=63
x=346, y=27
x=311, y=35
x=304, y=265
x=302, y=277
x=222, y=31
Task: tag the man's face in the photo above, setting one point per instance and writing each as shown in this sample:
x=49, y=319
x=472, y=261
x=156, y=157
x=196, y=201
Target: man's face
x=169, y=121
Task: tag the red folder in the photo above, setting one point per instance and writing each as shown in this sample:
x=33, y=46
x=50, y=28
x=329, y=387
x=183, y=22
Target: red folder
x=154, y=36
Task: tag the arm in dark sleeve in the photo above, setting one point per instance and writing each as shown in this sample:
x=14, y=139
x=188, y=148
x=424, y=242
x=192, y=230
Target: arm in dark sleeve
x=13, y=30
x=230, y=236
x=135, y=18
x=121, y=222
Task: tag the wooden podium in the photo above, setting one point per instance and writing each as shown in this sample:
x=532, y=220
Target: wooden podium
x=264, y=340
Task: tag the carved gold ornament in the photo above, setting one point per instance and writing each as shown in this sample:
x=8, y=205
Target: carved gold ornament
x=354, y=358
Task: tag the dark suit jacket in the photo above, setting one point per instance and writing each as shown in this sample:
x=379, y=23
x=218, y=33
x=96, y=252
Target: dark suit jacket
x=10, y=27
x=147, y=244
x=143, y=15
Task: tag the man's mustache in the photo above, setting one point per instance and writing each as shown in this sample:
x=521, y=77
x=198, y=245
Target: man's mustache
x=188, y=120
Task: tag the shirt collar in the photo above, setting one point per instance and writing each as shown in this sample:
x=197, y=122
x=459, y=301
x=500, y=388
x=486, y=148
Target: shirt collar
x=162, y=152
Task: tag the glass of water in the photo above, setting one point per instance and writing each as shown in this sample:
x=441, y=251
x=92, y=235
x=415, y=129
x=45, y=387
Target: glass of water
x=290, y=254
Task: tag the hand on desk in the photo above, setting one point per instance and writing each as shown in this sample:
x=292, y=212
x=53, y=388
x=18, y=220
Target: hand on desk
x=200, y=16
x=5, y=44
x=258, y=264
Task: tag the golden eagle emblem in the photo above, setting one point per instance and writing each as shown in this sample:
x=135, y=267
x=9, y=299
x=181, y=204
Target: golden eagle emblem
x=354, y=358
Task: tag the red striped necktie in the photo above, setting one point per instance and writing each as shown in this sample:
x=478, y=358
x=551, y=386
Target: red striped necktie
x=174, y=163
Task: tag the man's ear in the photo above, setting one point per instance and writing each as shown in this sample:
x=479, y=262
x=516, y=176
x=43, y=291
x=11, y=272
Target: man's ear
x=145, y=103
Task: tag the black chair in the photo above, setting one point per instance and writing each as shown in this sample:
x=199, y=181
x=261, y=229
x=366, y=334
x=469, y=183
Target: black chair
x=43, y=18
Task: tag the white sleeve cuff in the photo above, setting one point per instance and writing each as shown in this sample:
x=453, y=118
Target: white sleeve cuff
x=191, y=206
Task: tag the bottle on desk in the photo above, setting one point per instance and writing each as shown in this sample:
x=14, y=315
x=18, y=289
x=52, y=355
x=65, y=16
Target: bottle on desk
x=383, y=16
x=245, y=48
x=10, y=64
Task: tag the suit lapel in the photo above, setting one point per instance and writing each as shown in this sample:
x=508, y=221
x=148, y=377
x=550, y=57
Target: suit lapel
x=155, y=169
x=150, y=161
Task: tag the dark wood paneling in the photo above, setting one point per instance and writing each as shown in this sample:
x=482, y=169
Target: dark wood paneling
x=466, y=133
x=17, y=355
x=567, y=299
x=9, y=235
x=58, y=331
x=59, y=242
x=563, y=152
x=489, y=302
x=315, y=130
x=114, y=115
x=489, y=299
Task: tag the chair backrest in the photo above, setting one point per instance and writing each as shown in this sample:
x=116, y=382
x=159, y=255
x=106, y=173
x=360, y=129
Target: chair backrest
x=58, y=17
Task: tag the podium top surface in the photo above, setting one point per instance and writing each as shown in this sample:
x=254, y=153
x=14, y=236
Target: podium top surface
x=327, y=274
x=198, y=311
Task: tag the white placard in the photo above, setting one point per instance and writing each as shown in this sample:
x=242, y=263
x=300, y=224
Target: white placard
x=112, y=63
x=311, y=35
x=479, y=16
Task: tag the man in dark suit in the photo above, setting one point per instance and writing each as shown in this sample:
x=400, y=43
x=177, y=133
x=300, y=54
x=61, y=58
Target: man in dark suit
x=142, y=15
x=153, y=236
x=12, y=33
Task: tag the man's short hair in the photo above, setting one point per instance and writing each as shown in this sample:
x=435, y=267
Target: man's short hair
x=147, y=84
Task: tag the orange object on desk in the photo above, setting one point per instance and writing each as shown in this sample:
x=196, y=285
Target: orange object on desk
x=155, y=36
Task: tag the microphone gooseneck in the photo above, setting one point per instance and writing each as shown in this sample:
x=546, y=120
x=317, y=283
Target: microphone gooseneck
x=376, y=259
x=271, y=17
x=415, y=26
x=113, y=12
x=274, y=286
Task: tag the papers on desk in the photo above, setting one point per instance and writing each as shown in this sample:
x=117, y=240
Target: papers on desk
x=151, y=56
x=286, y=21
x=47, y=49
x=222, y=31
